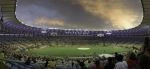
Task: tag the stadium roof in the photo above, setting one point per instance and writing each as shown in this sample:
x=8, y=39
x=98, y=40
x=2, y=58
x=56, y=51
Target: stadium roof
x=146, y=13
x=9, y=7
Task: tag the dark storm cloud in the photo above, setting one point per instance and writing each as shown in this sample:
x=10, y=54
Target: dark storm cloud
x=81, y=14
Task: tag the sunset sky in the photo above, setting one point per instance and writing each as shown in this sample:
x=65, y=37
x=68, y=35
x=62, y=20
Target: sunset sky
x=80, y=14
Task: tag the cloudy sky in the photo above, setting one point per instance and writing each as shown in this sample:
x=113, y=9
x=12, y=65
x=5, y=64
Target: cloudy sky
x=80, y=14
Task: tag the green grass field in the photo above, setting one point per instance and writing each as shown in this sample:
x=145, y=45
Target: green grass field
x=73, y=51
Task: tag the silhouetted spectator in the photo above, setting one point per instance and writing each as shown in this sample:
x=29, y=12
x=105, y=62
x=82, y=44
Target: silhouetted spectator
x=97, y=65
x=120, y=63
x=145, y=45
x=116, y=55
x=144, y=60
x=46, y=64
x=109, y=65
x=28, y=61
x=82, y=65
x=131, y=61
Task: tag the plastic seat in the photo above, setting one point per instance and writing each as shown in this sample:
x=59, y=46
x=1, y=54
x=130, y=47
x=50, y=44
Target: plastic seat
x=16, y=64
x=21, y=66
x=27, y=68
x=14, y=67
x=8, y=64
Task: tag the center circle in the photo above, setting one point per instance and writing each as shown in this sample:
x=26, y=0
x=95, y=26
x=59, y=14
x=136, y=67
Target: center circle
x=83, y=48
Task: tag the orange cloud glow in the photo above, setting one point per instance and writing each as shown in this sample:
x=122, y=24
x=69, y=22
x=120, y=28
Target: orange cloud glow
x=44, y=21
x=113, y=12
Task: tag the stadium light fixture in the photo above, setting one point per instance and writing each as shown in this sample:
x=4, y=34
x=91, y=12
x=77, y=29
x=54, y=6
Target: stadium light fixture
x=108, y=33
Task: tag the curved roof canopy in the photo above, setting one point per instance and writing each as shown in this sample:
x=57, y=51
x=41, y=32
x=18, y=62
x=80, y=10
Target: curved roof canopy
x=9, y=7
x=146, y=12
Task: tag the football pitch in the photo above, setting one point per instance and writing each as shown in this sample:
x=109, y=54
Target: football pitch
x=76, y=51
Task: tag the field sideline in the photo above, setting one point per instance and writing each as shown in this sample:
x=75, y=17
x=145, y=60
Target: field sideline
x=74, y=51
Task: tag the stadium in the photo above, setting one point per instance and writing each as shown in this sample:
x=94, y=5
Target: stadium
x=20, y=41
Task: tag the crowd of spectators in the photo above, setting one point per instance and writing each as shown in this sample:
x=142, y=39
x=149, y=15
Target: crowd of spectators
x=132, y=60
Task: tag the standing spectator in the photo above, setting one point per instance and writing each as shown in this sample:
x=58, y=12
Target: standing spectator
x=116, y=54
x=145, y=45
x=143, y=56
x=131, y=61
x=109, y=65
x=144, y=60
x=120, y=63
x=46, y=64
x=97, y=65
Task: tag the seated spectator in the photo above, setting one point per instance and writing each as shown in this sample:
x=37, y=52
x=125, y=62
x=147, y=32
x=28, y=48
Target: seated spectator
x=35, y=65
x=77, y=64
x=144, y=60
x=109, y=65
x=28, y=61
x=2, y=66
x=120, y=63
x=73, y=64
x=21, y=58
x=64, y=64
x=82, y=65
x=53, y=64
x=97, y=65
x=131, y=61
x=2, y=55
x=91, y=64
x=86, y=63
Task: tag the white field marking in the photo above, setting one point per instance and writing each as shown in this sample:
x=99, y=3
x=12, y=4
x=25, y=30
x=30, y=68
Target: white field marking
x=106, y=55
x=83, y=48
